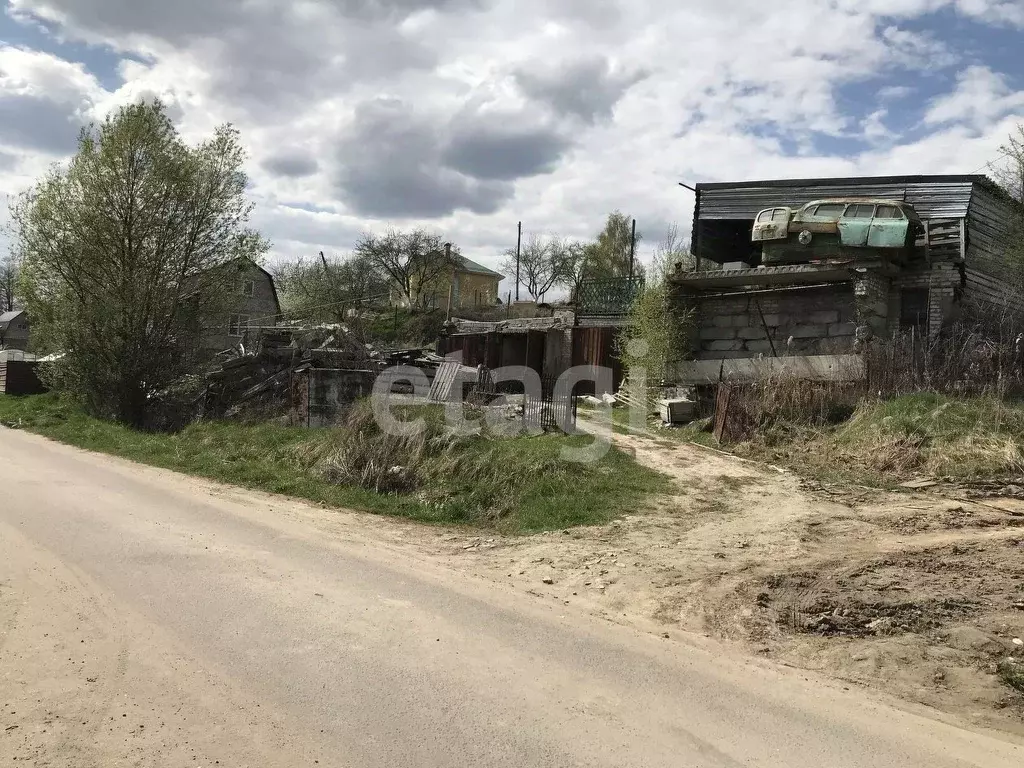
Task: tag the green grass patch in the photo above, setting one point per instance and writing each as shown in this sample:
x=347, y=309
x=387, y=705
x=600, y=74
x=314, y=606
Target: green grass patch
x=884, y=442
x=516, y=485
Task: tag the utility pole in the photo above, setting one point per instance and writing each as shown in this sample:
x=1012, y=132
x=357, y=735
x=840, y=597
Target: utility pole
x=632, y=249
x=519, y=243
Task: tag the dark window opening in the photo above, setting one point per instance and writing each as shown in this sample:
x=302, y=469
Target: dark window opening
x=888, y=212
x=860, y=211
x=830, y=210
x=914, y=309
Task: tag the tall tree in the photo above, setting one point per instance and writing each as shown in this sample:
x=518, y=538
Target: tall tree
x=609, y=256
x=540, y=266
x=8, y=282
x=414, y=261
x=128, y=252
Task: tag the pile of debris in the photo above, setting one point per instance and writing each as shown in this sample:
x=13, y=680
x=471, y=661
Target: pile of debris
x=290, y=371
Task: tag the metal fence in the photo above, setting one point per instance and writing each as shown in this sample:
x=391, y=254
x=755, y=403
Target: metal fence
x=554, y=409
x=608, y=297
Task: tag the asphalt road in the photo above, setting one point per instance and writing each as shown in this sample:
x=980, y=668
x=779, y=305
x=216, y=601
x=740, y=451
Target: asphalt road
x=152, y=619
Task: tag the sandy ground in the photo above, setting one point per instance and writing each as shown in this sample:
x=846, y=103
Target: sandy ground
x=911, y=593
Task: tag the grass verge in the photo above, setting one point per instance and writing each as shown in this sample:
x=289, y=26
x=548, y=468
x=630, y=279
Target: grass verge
x=514, y=484
x=884, y=442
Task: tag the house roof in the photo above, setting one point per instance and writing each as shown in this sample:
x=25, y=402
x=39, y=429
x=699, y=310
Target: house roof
x=7, y=317
x=468, y=265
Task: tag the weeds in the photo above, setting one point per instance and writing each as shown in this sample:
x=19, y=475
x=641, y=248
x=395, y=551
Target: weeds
x=1012, y=673
x=516, y=484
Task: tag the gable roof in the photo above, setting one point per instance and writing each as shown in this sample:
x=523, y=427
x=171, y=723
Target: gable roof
x=468, y=265
x=7, y=317
x=273, y=285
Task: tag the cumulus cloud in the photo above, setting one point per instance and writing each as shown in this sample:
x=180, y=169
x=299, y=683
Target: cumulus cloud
x=44, y=101
x=587, y=88
x=390, y=165
x=470, y=114
x=981, y=96
x=292, y=163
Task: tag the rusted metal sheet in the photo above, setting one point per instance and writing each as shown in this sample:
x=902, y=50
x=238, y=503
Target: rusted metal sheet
x=596, y=347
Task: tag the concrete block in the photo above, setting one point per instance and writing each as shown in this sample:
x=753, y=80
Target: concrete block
x=773, y=320
x=751, y=333
x=808, y=331
x=721, y=321
x=727, y=355
x=760, y=346
x=717, y=333
x=723, y=346
x=842, y=329
x=744, y=320
x=825, y=317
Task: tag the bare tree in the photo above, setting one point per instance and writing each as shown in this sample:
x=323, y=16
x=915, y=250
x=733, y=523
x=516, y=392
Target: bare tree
x=416, y=261
x=540, y=267
x=572, y=265
x=129, y=251
x=670, y=253
x=1008, y=171
x=321, y=289
x=8, y=282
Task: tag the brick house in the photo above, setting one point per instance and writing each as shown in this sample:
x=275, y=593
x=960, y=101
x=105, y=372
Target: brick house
x=816, y=311
x=470, y=285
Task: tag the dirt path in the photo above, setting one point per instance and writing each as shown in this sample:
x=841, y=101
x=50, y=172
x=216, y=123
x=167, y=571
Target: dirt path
x=910, y=593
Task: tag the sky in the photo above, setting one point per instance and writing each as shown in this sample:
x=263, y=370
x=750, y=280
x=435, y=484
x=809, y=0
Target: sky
x=467, y=116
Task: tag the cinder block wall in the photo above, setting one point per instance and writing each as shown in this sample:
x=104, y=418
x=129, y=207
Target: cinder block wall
x=944, y=283
x=808, y=321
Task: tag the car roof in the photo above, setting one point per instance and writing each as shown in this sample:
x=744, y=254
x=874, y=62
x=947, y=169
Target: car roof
x=857, y=201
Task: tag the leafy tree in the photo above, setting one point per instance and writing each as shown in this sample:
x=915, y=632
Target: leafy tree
x=540, y=266
x=609, y=256
x=322, y=289
x=413, y=261
x=653, y=339
x=128, y=252
x=8, y=282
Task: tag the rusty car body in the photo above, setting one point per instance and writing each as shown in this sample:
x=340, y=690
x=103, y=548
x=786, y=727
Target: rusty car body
x=836, y=228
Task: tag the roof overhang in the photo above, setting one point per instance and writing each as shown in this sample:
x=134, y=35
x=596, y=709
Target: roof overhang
x=757, y=277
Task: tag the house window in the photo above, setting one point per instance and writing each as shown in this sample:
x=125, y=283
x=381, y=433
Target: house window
x=237, y=324
x=914, y=309
x=249, y=288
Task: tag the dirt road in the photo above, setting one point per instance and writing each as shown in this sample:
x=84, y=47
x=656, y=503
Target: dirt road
x=153, y=620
